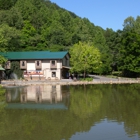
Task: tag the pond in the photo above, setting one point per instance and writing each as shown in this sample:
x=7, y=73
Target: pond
x=80, y=112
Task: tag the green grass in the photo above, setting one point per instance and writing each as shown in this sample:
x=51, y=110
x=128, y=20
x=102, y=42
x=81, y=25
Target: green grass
x=86, y=79
x=111, y=76
x=115, y=74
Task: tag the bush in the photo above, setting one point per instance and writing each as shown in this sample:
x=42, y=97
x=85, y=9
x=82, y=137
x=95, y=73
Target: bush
x=116, y=73
x=15, y=72
x=86, y=79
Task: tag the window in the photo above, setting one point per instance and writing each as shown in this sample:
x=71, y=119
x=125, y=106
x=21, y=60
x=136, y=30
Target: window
x=23, y=63
x=8, y=63
x=53, y=62
x=53, y=74
x=37, y=63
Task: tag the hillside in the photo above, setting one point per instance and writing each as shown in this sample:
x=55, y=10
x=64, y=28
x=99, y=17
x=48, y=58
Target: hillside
x=41, y=25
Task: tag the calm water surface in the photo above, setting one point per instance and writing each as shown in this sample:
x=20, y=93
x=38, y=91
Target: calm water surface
x=90, y=112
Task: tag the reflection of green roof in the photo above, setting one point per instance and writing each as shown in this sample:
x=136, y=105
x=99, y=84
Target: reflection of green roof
x=34, y=55
x=36, y=106
x=1, y=68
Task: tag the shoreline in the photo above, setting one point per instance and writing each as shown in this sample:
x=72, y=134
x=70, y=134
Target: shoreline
x=18, y=83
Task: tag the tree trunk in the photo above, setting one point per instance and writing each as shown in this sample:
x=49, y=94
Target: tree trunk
x=84, y=73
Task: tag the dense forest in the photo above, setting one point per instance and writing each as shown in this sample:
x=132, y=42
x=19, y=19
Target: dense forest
x=36, y=25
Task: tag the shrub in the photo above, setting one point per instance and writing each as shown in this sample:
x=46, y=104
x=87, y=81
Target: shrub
x=86, y=79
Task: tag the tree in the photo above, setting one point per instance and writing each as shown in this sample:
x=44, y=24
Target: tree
x=129, y=23
x=15, y=68
x=129, y=61
x=130, y=52
x=7, y=4
x=9, y=38
x=54, y=35
x=85, y=58
x=113, y=41
x=14, y=18
x=2, y=60
x=99, y=41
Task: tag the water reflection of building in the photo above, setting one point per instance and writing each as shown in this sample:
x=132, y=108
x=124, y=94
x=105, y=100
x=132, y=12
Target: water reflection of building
x=36, y=93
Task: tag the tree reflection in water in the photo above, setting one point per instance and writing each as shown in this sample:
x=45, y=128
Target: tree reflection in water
x=85, y=101
x=2, y=99
x=87, y=106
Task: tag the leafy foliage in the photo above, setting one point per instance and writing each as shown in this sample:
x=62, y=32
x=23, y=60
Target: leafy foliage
x=9, y=38
x=85, y=58
x=2, y=60
x=7, y=4
x=130, y=48
x=40, y=25
x=86, y=79
x=99, y=41
x=15, y=68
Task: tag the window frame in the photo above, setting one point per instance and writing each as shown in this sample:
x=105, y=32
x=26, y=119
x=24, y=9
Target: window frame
x=53, y=74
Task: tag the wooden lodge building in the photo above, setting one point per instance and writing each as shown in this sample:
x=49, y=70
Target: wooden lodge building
x=40, y=64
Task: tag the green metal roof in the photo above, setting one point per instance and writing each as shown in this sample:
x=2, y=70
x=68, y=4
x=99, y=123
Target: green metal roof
x=34, y=55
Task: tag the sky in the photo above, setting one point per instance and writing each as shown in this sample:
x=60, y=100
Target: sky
x=103, y=13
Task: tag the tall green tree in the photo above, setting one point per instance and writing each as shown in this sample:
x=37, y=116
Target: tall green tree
x=130, y=52
x=85, y=58
x=130, y=48
x=129, y=23
x=113, y=41
x=99, y=41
